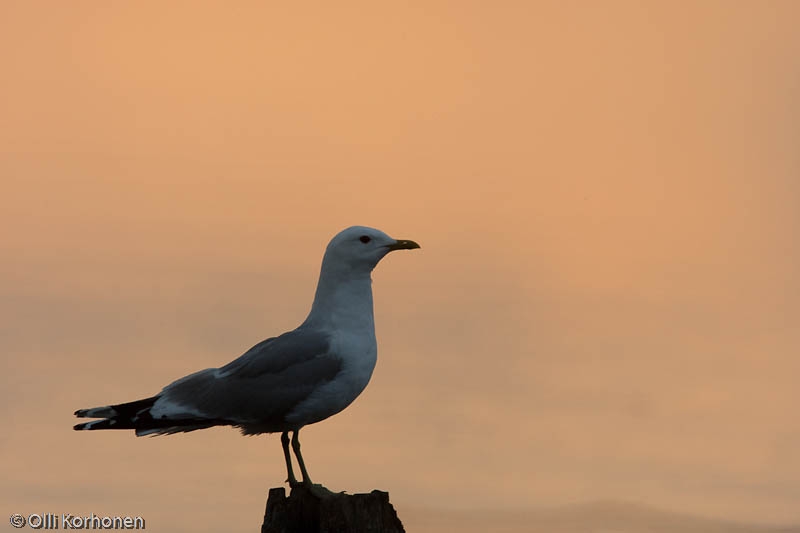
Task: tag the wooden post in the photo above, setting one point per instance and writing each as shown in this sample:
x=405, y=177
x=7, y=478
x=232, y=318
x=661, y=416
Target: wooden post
x=304, y=512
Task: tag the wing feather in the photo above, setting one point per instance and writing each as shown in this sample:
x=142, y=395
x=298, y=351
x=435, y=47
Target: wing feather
x=259, y=388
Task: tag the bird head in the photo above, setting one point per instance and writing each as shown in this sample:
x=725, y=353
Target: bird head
x=359, y=248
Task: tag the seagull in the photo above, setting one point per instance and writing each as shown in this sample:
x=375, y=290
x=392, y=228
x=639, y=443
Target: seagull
x=287, y=382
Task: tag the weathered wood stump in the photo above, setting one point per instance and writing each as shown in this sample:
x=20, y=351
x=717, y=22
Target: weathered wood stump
x=306, y=512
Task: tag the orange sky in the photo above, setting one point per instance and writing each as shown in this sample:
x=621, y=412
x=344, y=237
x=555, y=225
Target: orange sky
x=605, y=305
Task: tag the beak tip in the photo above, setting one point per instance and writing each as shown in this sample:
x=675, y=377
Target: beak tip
x=403, y=244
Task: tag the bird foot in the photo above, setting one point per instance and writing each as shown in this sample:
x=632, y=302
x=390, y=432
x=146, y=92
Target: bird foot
x=316, y=489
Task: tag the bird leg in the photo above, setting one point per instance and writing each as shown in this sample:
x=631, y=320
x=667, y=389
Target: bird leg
x=286, y=455
x=317, y=490
x=296, y=448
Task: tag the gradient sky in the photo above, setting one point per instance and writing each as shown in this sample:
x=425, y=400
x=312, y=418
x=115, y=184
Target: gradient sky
x=605, y=306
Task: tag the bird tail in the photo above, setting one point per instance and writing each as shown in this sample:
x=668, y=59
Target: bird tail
x=121, y=416
x=136, y=415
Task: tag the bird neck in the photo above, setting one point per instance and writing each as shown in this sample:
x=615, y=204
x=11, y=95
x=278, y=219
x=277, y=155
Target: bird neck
x=343, y=301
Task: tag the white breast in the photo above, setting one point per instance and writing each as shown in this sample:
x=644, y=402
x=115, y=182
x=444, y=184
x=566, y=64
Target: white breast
x=359, y=355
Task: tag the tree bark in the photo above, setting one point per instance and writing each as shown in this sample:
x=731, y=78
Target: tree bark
x=305, y=512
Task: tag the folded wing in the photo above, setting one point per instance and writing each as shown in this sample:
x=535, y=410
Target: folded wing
x=254, y=392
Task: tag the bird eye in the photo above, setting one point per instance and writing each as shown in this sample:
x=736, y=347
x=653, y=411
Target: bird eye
x=364, y=238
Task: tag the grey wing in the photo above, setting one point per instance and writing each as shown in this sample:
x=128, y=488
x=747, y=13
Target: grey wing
x=262, y=386
x=276, y=354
